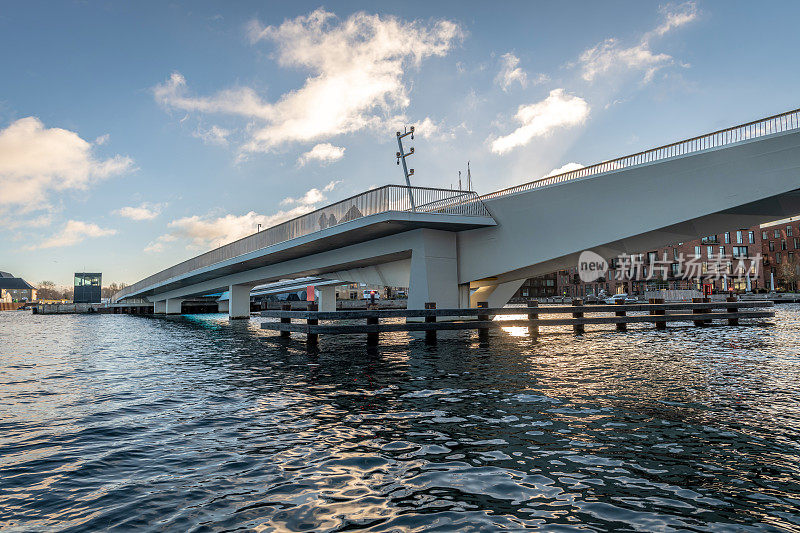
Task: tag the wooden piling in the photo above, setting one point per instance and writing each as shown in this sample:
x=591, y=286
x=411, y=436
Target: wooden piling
x=699, y=311
x=578, y=328
x=533, y=329
x=622, y=326
x=372, y=338
x=430, y=335
x=286, y=307
x=732, y=321
x=658, y=312
x=312, y=338
x=483, y=333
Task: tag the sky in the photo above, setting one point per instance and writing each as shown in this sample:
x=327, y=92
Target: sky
x=134, y=135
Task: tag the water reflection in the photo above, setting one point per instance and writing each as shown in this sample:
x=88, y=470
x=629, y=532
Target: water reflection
x=192, y=423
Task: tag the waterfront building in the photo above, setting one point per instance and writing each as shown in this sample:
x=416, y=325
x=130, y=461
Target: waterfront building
x=776, y=245
x=87, y=287
x=14, y=289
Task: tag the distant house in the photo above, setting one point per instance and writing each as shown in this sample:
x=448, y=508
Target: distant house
x=15, y=289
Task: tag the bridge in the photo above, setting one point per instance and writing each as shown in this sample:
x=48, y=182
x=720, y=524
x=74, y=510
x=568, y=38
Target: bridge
x=456, y=248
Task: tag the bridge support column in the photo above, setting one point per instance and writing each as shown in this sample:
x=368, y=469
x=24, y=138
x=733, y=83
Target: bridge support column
x=239, y=302
x=160, y=306
x=173, y=306
x=463, y=295
x=496, y=295
x=434, y=271
x=327, y=298
x=223, y=306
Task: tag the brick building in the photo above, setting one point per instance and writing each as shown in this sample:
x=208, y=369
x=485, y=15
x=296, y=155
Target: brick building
x=715, y=258
x=15, y=289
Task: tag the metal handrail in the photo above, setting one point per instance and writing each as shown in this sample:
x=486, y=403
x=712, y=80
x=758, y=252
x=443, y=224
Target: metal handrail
x=380, y=200
x=782, y=122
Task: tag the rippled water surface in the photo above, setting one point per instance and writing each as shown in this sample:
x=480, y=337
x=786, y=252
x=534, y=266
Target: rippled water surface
x=192, y=424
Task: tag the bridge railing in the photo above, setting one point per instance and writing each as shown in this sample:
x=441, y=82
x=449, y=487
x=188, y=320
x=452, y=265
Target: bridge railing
x=787, y=121
x=372, y=202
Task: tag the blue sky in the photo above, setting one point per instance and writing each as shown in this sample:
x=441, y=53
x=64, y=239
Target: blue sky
x=136, y=135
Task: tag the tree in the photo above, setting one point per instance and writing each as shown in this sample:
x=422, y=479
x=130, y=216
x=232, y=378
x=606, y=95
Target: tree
x=47, y=290
x=789, y=273
x=111, y=290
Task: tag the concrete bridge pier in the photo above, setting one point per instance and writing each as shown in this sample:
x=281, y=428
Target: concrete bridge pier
x=327, y=298
x=223, y=306
x=239, y=301
x=160, y=306
x=496, y=295
x=173, y=306
x=434, y=271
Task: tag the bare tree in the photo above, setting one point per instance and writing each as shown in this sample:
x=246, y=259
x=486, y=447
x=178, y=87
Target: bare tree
x=789, y=273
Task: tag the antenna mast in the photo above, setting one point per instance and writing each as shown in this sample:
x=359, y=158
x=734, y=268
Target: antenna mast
x=469, y=178
x=402, y=155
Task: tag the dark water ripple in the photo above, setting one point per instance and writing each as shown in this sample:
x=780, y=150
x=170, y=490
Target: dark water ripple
x=190, y=424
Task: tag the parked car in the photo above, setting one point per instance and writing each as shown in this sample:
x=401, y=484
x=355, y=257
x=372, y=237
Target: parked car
x=620, y=298
x=369, y=294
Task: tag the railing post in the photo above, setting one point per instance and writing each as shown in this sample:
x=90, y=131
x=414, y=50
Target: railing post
x=286, y=307
x=658, y=312
x=312, y=338
x=430, y=334
x=533, y=329
x=578, y=328
x=372, y=337
x=483, y=333
x=621, y=326
x=732, y=321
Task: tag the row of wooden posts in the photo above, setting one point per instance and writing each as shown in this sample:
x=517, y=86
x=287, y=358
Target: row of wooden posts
x=732, y=310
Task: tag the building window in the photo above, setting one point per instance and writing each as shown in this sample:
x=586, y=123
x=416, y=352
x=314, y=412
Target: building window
x=783, y=244
x=697, y=251
x=777, y=233
x=739, y=237
x=674, y=269
x=722, y=251
x=796, y=243
x=740, y=251
x=675, y=252
x=751, y=236
x=790, y=256
x=727, y=237
x=710, y=251
x=788, y=231
x=771, y=246
x=777, y=258
x=764, y=235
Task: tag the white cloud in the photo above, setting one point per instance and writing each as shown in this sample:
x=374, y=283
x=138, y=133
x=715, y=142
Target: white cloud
x=214, y=135
x=331, y=185
x=312, y=196
x=145, y=211
x=103, y=139
x=675, y=17
x=355, y=82
x=610, y=57
x=159, y=244
x=206, y=231
x=74, y=232
x=210, y=230
x=510, y=72
x=35, y=161
x=558, y=110
x=324, y=153
x=563, y=169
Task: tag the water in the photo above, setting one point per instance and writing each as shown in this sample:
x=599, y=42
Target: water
x=116, y=422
